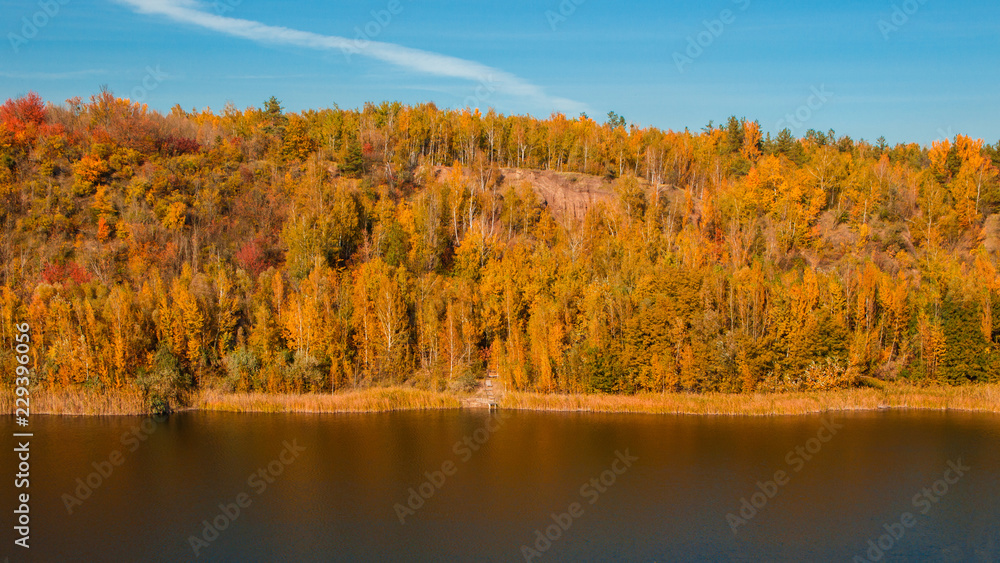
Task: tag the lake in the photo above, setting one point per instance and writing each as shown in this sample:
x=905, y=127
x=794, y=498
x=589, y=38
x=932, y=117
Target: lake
x=511, y=486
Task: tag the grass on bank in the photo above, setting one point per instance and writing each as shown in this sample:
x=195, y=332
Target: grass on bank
x=78, y=401
x=981, y=398
x=130, y=401
x=368, y=400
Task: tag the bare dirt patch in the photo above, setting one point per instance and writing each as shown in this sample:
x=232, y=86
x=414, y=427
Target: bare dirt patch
x=567, y=194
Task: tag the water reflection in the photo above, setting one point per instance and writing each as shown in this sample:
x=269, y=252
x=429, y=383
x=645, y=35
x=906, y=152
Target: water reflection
x=339, y=499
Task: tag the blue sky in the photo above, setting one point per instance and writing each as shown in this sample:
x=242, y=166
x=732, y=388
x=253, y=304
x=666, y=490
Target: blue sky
x=932, y=74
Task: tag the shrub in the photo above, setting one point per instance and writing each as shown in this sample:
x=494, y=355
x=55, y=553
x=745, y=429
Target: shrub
x=305, y=372
x=163, y=383
x=242, y=370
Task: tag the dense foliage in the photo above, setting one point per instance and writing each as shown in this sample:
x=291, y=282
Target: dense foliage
x=333, y=249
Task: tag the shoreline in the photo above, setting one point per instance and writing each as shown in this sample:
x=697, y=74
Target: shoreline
x=971, y=398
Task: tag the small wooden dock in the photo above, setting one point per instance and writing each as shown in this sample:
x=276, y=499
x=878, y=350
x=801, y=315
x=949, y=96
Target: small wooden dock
x=487, y=395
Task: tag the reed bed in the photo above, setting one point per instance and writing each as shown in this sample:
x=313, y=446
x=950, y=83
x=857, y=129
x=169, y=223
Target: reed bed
x=129, y=401
x=79, y=402
x=368, y=400
x=981, y=398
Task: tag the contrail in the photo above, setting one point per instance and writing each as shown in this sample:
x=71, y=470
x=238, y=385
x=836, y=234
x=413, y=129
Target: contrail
x=190, y=12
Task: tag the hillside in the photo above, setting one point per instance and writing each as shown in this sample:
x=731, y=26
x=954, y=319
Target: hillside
x=260, y=250
x=567, y=195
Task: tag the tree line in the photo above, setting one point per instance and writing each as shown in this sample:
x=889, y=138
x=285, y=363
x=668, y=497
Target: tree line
x=260, y=249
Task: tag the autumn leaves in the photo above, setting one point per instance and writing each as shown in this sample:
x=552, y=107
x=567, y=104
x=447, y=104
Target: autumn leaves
x=384, y=246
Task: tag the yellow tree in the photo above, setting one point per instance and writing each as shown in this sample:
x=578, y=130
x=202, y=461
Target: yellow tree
x=894, y=297
x=302, y=314
x=587, y=134
x=381, y=320
x=264, y=341
x=226, y=313
x=9, y=305
x=428, y=308
x=56, y=332
x=975, y=174
x=183, y=320
x=545, y=333
x=124, y=325
x=751, y=141
x=461, y=324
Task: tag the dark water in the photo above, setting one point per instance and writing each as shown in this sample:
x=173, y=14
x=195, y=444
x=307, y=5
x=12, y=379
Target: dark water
x=333, y=493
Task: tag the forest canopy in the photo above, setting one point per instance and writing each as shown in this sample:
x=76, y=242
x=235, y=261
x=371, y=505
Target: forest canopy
x=401, y=245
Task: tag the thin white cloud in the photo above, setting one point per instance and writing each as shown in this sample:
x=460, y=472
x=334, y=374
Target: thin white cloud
x=487, y=78
x=269, y=76
x=51, y=75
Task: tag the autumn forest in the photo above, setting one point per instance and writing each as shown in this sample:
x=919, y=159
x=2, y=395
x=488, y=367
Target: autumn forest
x=264, y=250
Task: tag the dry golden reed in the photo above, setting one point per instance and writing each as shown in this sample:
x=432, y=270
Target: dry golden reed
x=79, y=402
x=368, y=400
x=982, y=398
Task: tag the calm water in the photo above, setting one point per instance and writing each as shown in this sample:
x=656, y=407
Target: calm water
x=333, y=496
